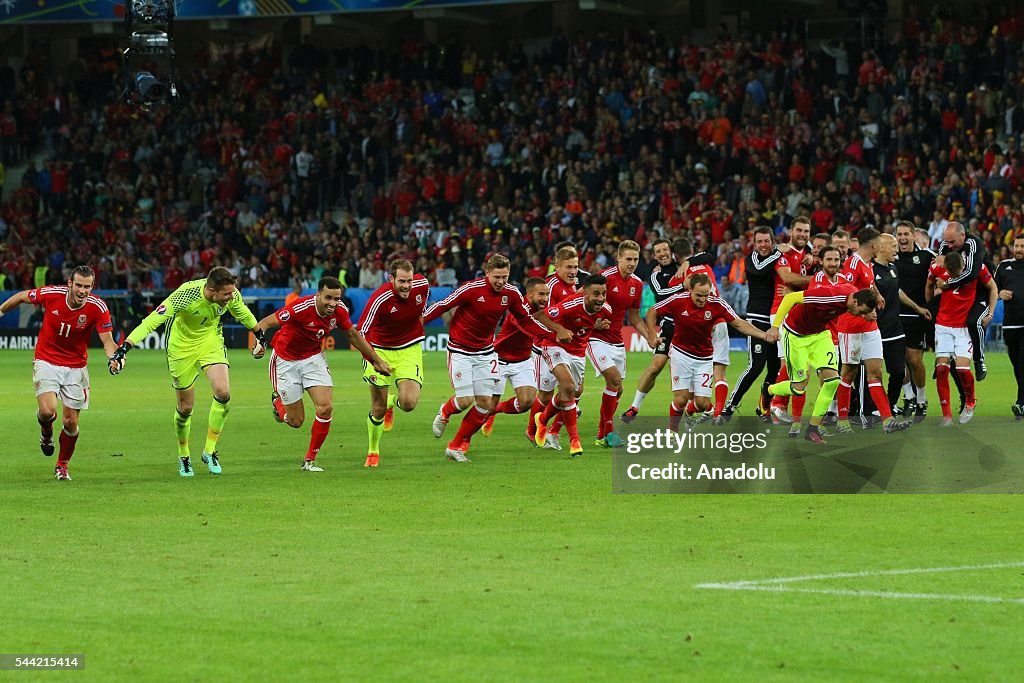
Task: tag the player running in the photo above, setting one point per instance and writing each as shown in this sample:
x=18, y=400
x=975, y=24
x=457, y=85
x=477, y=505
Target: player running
x=60, y=363
x=953, y=341
x=805, y=316
x=562, y=285
x=298, y=364
x=606, y=350
x=195, y=344
x=664, y=283
x=516, y=364
x=472, y=362
x=562, y=358
x=393, y=324
x=696, y=313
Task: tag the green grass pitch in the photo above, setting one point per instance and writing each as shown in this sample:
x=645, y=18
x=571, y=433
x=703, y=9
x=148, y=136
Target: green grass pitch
x=520, y=566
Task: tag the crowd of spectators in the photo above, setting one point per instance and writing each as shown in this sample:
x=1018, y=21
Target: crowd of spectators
x=286, y=168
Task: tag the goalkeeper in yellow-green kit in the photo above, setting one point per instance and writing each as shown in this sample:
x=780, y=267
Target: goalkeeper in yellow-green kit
x=195, y=343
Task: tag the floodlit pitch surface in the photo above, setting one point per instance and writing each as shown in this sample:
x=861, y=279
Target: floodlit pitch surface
x=521, y=565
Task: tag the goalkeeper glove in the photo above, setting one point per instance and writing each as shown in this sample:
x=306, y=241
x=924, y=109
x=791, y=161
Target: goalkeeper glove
x=116, y=360
x=261, y=345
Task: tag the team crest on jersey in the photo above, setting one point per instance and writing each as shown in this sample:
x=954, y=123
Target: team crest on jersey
x=161, y=309
x=632, y=291
x=333, y=323
x=707, y=315
x=504, y=301
x=284, y=315
x=81, y=320
x=916, y=259
x=419, y=298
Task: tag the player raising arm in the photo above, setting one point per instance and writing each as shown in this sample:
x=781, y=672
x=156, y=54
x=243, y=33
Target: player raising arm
x=60, y=366
x=298, y=363
x=696, y=312
x=195, y=344
x=562, y=355
x=478, y=306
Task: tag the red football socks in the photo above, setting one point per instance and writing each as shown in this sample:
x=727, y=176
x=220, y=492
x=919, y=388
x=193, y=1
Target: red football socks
x=843, y=399
x=942, y=384
x=67, y=446
x=317, y=436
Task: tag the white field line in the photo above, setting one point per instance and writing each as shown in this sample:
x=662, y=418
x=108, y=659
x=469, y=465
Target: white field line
x=784, y=584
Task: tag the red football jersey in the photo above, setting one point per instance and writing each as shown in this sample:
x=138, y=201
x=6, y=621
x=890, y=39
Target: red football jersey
x=694, y=325
x=693, y=270
x=821, y=279
x=391, y=322
x=823, y=302
x=861, y=275
x=64, y=337
x=303, y=328
x=514, y=342
x=623, y=294
x=478, y=308
x=572, y=315
x=794, y=260
x=955, y=304
x=558, y=290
